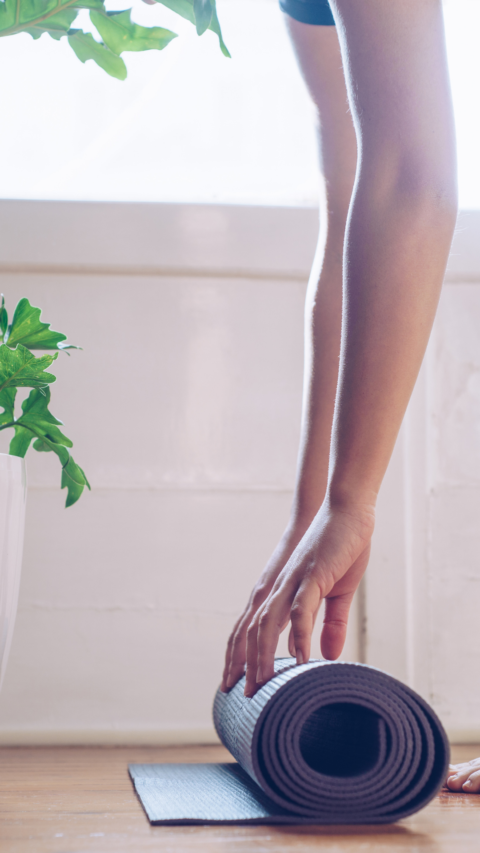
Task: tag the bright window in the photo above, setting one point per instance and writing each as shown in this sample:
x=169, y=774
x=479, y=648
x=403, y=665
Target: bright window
x=189, y=125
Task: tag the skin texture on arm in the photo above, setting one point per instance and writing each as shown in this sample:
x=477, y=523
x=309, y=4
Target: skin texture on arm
x=397, y=239
x=318, y=54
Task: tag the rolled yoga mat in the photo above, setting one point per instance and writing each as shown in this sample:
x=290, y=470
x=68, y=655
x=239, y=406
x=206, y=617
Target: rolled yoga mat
x=321, y=743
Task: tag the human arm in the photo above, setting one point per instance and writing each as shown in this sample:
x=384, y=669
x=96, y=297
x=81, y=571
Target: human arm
x=397, y=242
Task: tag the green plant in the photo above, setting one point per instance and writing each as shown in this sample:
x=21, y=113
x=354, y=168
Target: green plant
x=19, y=368
x=118, y=31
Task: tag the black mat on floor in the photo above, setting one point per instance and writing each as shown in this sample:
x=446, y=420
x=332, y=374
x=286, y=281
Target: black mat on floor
x=322, y=743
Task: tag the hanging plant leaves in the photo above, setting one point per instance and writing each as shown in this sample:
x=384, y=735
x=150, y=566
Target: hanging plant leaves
x=41, y=16
x=119, y=33
x=56, y=26
x=86, y=48
x=203, y=11
x=186, y=9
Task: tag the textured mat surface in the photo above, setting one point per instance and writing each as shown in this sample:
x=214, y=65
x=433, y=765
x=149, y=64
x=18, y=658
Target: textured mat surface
x=320, y=743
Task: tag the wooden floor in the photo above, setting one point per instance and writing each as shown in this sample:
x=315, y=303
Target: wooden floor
x=71, y=800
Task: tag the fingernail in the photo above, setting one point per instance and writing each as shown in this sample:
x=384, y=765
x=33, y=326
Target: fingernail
x=467, y=784
x=229, y=681
x=259, y=675
x=299, y=659
x=451, y=778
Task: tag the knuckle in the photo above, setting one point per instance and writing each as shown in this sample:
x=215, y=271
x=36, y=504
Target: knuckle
x=265, y=619
x=298, y=612
x=258, y=596
x=336, y=623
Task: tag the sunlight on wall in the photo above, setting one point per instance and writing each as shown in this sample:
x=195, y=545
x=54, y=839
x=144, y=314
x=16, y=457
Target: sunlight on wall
x=189, y=125
x=462, y=23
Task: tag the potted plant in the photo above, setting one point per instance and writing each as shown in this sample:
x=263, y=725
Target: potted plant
x=20, y=368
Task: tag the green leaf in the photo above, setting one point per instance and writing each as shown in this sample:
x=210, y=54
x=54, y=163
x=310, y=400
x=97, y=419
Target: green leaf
x=7, y=402
x=89, y=4
x=40, y=445
x=203, y=11
x=39, y=425
x=215, y=27
x=35, y=421
x=85, y=47
x=56, y=25
x=3, y=318
x=27, y=329
x=120, y=33
x=20, y=442
x=74, y=480
x=185, y=9
x=36, y=16
x=56, y=18
x=36, y=414
x=19, y=368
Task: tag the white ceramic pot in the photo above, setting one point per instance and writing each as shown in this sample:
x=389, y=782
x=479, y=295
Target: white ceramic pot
x=13, y=493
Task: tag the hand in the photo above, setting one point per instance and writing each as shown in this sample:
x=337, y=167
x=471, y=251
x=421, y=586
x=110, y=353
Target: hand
x=327, y=564
x=237, y=644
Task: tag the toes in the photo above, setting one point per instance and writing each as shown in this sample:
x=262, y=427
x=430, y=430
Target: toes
x=472, y=784
x=464, y=776
x=455, y=782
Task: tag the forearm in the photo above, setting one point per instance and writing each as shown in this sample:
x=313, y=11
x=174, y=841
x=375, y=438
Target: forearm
x=318, y=54
x=398, y=236
x=391, y=295
x=323, y=318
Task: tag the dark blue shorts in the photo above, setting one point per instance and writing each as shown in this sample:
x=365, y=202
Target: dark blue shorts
x=309, y=11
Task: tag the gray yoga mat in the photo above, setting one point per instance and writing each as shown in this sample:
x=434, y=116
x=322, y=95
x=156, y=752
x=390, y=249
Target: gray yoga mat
x=321, y=743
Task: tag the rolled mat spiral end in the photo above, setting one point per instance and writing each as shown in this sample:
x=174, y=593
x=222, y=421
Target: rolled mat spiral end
x=321, y=743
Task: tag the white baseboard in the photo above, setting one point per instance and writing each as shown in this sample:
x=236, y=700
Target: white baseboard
x=147, y=737
x=107, y=737
x=459, y=736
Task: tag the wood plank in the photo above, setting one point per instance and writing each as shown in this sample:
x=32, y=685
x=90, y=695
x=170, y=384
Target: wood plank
x=76, y=799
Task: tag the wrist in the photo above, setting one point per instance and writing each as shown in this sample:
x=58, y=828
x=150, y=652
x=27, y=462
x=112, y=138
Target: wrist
x=358, y=502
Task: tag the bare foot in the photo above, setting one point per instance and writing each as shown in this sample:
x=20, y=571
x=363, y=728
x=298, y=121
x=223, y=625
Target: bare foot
x=464, y=777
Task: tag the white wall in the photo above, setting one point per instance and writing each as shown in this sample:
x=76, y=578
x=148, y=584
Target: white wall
x=184, y=411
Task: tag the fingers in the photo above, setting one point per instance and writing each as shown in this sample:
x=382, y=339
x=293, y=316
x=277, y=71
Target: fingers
x=291, y=643
x=262, y=638
x=235, y=655
x=334, y=630
x=303, y=613
x=300, y=605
